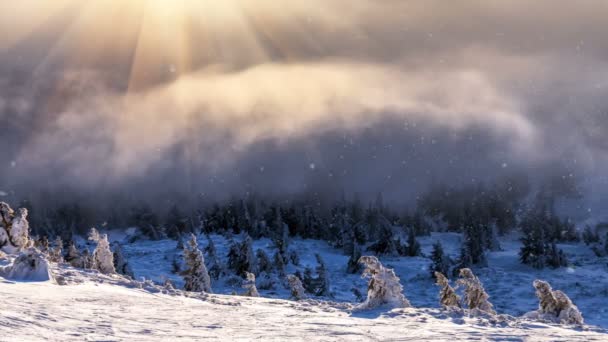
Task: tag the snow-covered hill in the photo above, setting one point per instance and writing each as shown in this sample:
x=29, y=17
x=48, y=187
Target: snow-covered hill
x=93, y=307
x=508, y=282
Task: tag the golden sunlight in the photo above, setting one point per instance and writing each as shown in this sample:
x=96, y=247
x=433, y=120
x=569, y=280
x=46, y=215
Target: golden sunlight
x=159, y=40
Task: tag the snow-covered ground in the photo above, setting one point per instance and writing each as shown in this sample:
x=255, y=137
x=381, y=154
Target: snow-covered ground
x=85, y=305
x=508, y=282
x=91, y=307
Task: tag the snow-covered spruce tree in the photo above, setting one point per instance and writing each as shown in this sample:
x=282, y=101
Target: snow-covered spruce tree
x=308, y=281
x=14, y=229
x=439, y=261
x=56, y=252
x=590, y=236
x=353, y=265
x=384, y=288
x=195, y=276
x=475, y=295
x=413, y=247
x=73, y=256
x=322, y=281
x=214, y=265
x=385, y=243
x=87, y=260
x=279, y=264
x=121, y=264
x=447, y=295
x=556, y=257
x=43, y=244
x=294, y=258
x=241, y=258
x=249, y=286
x=554, y=306
x=280, y=233
x=103, y=258
x=296, y=287
x=263, y=261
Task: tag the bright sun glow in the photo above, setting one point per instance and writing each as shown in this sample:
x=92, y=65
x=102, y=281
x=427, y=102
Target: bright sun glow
x=159, y=37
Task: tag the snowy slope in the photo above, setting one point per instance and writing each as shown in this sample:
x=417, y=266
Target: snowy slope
x=101, y=308
x=508, y=282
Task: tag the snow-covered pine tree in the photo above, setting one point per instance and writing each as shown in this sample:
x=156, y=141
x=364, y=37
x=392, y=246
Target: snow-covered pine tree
x=248, y=258
x=279, y=264
x=87, y=260
x=590, y=236
x=439, y=261
x=214, y=265
x=308, y=281
x=42, y=243
x=263, y=261
x=295, y=285
x=280, y=233
x=56, y=252
x=472, y=251
x=353, y=265
x=447, y=295
x=103, y=258
x=555, y=305
x=196, y=278
x=121, y=264
x=413, y=247
x=14, y=229
x=241, y=258
x=382, y=230
x=475, y=295
x=294, y=258
x=322, y=281
x=73, y=256
x=556, y=257
x=249, y=286
x=384, y=287
x=180, y=243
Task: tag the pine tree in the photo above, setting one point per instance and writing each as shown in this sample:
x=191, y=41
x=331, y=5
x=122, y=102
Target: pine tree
x=296, y=287
x=447, y=296
x=214, y=265
x=14, y=229
x=413, y=247
x=73, y=256
x=280, y=233
x=308, y=281
x=556, y=257
x=87, y=260
x=249, y=264
x=103, y=258
x=241, y=258
x=120, y=262
x=263, y=261
x=196, y=277
x=294, y=257
x=43, y=244
x=56, y=253
x=323, y=286
x=279, y=264
x=385, y=244
x=384, y=287
x=475, y=295
x=440, y=262
x=249, y=286
x=353, y=265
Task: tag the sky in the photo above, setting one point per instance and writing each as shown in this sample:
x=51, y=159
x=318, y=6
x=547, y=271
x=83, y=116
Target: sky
x=158, y=99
